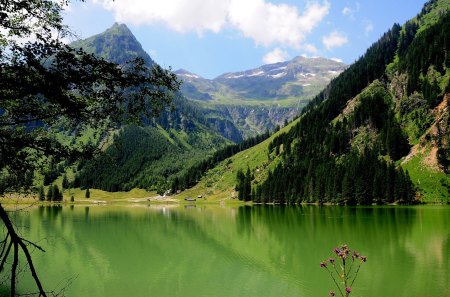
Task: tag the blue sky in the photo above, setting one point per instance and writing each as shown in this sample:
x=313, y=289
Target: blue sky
x=212, y=37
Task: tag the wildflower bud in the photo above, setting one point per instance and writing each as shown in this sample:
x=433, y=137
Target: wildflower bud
x=344, y=246
x=363, y=258
x=323, y=264
x=331, y=260
x=348, y=290
x=337, y=251
x=331, y=293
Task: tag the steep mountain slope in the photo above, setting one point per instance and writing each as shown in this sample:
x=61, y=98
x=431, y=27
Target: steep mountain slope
x=264, y=97
x=117, y=44
x=145, y=157
x=379, y=132
x=219, y=183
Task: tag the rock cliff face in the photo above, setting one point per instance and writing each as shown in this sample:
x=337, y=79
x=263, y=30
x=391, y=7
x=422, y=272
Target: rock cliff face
x=433, y=146
x=253, y=119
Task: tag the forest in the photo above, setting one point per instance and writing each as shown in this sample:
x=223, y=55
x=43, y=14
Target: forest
x=349, y=154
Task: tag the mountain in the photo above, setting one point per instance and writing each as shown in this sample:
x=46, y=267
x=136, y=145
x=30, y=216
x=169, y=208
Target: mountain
x=196, y=87
x=117, y=44
x=378, y=133
x=262, y=98
x=299, y=77
x=145, y=157
x=236, y=105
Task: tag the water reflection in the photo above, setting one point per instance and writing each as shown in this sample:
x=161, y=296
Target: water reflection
x=166, y=250
x=49, y=212
x=86, y=213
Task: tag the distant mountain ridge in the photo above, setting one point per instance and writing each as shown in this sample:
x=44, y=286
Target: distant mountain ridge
x=299, y=77
x=262, y=98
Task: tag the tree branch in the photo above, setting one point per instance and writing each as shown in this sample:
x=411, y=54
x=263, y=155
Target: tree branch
x=14, y=268
x=5, y=257
x=17, y=241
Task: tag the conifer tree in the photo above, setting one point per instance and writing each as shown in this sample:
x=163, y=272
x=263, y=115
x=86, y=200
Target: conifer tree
x=240, y=185
x=49, y=193
x=65, y=182
x=247, y=185
x=41, y=193
x=56, y=193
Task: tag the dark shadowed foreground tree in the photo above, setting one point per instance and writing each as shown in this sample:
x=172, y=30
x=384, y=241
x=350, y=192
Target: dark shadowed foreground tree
x=48, y=89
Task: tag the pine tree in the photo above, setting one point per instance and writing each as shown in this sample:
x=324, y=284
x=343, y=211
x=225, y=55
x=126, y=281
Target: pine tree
x=248, y=185
x=240, y=176
x=258, y=194
x=378, y=184
x=390, y=183
x=87, y=194
x=41, y=193
x=56, y=194
x=65, y=182
x=348, y=188
x=409, y=188
x=49, y=193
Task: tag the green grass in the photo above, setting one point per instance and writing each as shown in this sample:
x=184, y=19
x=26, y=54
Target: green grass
x=219, y=183
x=182, y=138
x=166, y=134
x=79, y=194
x=261, y=102
x=427, y=180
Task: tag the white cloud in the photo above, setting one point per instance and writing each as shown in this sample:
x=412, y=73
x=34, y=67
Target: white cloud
x=334, y=39
x=347, y=11
x=368, y=28
x=275, y=56
x=266, y=23
x=350, y=12
x=180, y=15
x=336, y=60
x=310, y=48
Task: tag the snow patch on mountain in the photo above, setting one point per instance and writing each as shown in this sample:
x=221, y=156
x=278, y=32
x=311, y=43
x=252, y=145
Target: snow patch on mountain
x=278, y=75
x=258, y=73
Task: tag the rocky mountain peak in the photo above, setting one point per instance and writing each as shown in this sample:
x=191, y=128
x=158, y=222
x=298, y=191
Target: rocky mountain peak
x=116, y=44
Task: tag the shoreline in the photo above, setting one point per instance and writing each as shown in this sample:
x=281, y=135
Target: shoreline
x=159, y=200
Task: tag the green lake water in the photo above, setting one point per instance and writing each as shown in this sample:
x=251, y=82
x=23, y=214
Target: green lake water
x=213, y=251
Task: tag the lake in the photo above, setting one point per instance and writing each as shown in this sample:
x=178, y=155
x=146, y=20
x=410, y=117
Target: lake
x=213, y=251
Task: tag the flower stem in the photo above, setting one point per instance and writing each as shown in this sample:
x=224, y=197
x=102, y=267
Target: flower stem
x=356, y=274
x=335, y=282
